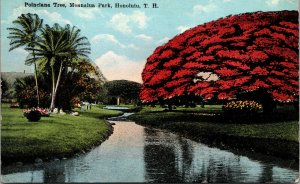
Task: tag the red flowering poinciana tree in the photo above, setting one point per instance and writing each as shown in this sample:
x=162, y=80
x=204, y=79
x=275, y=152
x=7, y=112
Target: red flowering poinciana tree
x=251, y=53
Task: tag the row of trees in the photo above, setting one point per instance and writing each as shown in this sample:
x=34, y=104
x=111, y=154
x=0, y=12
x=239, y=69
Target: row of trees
x=55, y=52
x=76, y=86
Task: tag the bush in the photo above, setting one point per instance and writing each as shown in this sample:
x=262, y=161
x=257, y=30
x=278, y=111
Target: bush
x=35, y=114
x=26, y=93
x=75, y=101
x=14, y=105
x=242, y=107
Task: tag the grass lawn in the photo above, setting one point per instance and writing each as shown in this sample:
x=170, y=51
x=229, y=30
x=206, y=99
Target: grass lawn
x=204, y=123
x=54, y=136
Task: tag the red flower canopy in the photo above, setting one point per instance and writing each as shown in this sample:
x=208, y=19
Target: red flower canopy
x=226, y=57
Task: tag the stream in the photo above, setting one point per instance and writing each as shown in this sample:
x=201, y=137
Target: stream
x=135, y=153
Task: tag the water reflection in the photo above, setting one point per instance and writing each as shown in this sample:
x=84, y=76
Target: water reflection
x=137, y=154
x=160, y=159
x=171, y=158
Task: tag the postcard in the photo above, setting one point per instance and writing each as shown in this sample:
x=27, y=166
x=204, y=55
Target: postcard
x=101, y=91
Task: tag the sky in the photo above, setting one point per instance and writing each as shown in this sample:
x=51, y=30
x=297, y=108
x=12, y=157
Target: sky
x=122, y=38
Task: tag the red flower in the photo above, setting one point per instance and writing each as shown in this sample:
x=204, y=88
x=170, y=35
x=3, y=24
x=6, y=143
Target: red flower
x=184, y=73
x=173, y=63
x=259, y=71
x=166, y=54
x=160, y=76
x=246, y=52
x=258, y=56
x=282, y=97
x=199, y=85
x=225, y=72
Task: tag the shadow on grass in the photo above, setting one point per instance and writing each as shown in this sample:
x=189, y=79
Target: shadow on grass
x=219, y=117
x=13, y=153
x=98, y=115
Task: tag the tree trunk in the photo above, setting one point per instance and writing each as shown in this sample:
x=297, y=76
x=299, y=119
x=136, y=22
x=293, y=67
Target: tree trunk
x=296, y=106
x=36, y=81
x=59, y=77
x=118, y=100
x=52, y=105
x=55, y=86
x=170, y=107
x=268, y=106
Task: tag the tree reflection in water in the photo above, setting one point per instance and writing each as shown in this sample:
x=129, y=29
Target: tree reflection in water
x=160, y=159
x=171, y=158
x=54, y=173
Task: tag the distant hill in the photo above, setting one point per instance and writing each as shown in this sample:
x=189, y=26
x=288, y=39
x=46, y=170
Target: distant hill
x=11, y=77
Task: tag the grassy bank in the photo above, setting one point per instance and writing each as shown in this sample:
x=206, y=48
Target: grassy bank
x=52, y=137
x=207, y=125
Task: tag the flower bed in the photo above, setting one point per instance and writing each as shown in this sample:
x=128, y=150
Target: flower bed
x=242, y=107
x=35, y=114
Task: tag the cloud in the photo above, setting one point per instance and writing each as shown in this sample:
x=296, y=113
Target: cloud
x=125, y=23
x=144, y=37
x=276, y=2
x=107, y=37
x=132, y=46
x=116, y=67
x=140, y=18
x=52, y=16
x=200, y=8
x=163, y=40
x=181, y=29
x=272, y=2
x=120, y=22
x=21, y=51
x=88, y=13
x=112, y=39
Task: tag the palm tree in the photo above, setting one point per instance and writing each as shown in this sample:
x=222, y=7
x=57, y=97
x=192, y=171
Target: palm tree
x=25, y=33
x=52, y=49
x=79, y=48
x=60, y=46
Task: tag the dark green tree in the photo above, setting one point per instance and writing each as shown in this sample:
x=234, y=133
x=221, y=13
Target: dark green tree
x=82, y=81
x=4, y=87
x=128, y=90
x=24, y=88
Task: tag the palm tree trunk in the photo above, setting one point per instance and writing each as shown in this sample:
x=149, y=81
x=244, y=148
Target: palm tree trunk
x=36, y=85
x=36, y=81
x=55, y=86
x=52, y=105
x=59, y=77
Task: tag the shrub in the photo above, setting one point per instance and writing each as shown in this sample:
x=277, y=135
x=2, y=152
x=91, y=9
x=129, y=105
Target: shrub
x=26, y=93
x=14, y=105
x=35, y=114
x=242, y=107
x=75, y=101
